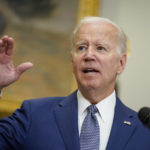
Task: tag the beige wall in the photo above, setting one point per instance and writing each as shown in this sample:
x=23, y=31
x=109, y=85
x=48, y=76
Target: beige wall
x=133, y=17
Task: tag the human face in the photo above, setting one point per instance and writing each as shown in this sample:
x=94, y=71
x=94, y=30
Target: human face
x=95, y=59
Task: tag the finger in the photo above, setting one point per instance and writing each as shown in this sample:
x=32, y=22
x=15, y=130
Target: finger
x=23, y=67
x=10, y=46
x=1, y=42
x=4, y=44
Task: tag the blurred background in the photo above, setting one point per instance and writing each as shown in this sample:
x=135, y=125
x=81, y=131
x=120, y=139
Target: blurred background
x=42, y=32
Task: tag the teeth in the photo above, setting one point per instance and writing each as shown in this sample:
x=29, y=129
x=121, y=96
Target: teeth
x=90, y=70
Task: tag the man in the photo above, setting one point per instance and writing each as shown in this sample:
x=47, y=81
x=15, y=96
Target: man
x=61, y=123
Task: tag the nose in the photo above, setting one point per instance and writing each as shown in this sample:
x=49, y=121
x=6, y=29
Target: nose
x=90, y=54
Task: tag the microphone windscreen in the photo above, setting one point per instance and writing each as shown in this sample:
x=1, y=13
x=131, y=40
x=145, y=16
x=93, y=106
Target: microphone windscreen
x=144, y=116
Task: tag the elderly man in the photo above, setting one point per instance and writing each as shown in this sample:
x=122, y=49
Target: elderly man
x=91, y=118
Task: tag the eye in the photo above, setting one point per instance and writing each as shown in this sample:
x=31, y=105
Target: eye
x=100, y=48
x=81, y=48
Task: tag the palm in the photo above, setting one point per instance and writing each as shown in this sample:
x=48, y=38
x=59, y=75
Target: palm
x=8, y=73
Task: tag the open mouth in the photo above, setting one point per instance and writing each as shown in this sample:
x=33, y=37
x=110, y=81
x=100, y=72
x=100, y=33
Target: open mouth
x=90, y=70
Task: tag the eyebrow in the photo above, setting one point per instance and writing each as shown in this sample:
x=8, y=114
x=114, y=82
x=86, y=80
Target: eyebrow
x=97, y=43
x=102, y=44
x=80, y=43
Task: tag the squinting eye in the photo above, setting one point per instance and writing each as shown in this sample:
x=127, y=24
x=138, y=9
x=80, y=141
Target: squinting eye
x=100, y=48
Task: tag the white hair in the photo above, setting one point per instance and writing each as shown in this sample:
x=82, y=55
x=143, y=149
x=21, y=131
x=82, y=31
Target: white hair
x=122, y=40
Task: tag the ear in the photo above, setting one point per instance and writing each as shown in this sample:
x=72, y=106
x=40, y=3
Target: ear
x=122, y=63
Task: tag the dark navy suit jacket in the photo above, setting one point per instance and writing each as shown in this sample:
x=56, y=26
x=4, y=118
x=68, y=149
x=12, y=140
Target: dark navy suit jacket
x=52, y=124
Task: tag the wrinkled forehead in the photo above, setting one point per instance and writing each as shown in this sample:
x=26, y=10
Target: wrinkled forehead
x=100, y=30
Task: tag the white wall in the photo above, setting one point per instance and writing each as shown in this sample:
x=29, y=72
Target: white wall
x=133, y=17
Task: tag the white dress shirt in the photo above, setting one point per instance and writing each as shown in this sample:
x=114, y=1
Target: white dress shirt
x=105, y=115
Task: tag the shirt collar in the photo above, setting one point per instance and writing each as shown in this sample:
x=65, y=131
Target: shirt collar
x=105, y=107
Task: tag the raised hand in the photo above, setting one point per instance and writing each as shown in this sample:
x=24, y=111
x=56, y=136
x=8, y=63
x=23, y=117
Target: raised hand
x=8, y=73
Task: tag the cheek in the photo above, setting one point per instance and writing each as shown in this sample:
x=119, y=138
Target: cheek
x=110, y=65
x=115, y=67
x=75, y=64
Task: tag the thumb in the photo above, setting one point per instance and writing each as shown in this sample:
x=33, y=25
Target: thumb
x=23, y=67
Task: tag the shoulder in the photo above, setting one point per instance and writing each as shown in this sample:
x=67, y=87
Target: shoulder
x=129, y=114
x=45, y=102
x=48, y=102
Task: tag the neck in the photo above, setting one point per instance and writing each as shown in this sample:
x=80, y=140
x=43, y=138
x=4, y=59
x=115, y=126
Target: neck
x=95, y=96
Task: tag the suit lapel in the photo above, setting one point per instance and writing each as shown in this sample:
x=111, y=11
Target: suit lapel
x=124, y=125
x=67, y=121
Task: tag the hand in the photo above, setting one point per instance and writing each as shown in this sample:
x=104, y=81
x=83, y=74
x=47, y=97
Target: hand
x=8, y=73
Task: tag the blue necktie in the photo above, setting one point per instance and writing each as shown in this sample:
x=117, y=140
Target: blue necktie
x=90, y=132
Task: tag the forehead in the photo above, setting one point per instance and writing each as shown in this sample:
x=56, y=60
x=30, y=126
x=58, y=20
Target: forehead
x=97, y=30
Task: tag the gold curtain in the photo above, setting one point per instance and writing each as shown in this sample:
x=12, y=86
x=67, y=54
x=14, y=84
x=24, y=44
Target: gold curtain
x=8, y=106
x=88, y=8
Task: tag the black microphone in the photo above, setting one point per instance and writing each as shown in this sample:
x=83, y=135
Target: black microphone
x=144, y=116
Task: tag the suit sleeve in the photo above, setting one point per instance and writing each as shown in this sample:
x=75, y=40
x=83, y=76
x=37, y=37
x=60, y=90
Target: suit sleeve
x=14, y=128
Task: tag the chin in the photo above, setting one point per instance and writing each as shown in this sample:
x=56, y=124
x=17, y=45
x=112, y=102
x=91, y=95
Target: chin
x=89, y=85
